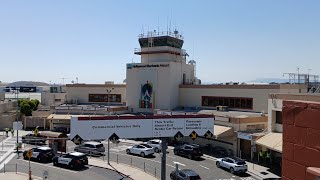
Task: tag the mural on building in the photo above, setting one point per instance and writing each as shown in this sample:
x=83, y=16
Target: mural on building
x=146, y=95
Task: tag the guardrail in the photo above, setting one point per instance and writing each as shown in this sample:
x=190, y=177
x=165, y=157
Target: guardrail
x=131, y=161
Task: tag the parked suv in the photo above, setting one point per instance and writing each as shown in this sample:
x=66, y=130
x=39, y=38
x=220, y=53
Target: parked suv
x=72, y=160
x=41, y=154
x=91, y=148
x=191, y=151
x=234, y=164
x=156, y=144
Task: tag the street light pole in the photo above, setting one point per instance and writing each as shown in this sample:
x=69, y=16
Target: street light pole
x=17, y=120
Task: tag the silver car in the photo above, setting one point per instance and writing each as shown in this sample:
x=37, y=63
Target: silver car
x=91, y=148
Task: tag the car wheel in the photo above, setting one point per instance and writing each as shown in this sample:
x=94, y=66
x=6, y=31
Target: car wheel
x=71, y=166
x=218, y=164
x=189, y=156
x=128, y=151
x=156, y=150
x=142, y=154
x=39, y=159
x=231, y=170
x=55, y=163
x=175, y=152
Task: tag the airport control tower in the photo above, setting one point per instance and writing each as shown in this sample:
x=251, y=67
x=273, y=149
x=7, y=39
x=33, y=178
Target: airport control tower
x=154, y=83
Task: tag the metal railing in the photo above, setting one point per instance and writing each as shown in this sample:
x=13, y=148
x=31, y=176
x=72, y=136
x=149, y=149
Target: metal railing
x=133, y=162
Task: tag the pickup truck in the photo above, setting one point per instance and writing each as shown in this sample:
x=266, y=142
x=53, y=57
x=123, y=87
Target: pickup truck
x=31, y=139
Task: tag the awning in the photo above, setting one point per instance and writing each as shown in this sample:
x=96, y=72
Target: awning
x=272, y=141
x=222, y=131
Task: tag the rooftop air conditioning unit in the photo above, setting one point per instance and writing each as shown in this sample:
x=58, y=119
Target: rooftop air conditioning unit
x=222, y=108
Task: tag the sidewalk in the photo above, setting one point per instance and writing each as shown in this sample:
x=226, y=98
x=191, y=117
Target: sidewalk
x=124, y=169
x=261, y=171
x=18, y=176
x=254, y=169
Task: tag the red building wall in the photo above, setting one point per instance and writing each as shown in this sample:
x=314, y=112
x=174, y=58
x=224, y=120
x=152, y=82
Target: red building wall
x=301, y=140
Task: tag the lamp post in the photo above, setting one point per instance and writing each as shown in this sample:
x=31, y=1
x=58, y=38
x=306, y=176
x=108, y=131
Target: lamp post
x=109, y=91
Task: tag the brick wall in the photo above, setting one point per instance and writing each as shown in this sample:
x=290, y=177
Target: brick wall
x=301, y=139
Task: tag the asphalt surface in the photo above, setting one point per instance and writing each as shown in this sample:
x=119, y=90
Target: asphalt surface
x=61, y=173
x=205, y=167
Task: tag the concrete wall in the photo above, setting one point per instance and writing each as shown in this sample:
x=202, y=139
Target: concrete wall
x=6, y=120
x=7, y=106
x=190, y=95
x=274, y=105
x=80, y=92
x=52, y=99
x=301, y=142
x=2, y=95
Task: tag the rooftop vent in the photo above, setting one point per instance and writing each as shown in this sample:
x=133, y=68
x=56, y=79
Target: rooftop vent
x=222, y=108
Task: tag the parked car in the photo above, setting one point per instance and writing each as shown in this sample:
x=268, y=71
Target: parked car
x=41, y=154
x=184, y=174
x=72, y=160
x=188, y=150
x=234, y=164
x=141, y=149
x=156, y=144
x=91, y=148
x=32, y=139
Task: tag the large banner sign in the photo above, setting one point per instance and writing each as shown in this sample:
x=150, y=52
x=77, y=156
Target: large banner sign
x=90, y=128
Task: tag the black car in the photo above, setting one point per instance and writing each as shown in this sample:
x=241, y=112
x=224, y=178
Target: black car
x=72, y=160
x=40, y=154
x=191, y=151
x=184, y=174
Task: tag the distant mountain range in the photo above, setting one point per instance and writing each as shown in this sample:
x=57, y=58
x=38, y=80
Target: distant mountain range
x=257, y=81
x=268, y=80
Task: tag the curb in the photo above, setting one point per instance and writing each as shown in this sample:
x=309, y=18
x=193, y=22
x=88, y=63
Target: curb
x=121, y=172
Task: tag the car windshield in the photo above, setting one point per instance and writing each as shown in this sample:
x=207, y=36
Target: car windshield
x=240, y=163
x=99, y=146
x=146, y=145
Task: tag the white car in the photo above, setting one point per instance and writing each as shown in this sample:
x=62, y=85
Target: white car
x=141, y=149
x=156, y=144
x=234, y=165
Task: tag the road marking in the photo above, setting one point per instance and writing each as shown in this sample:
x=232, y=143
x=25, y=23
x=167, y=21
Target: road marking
x=172, y=156
x=204, y=167
x=7, y=160
x=178, y=163
x=48, y=166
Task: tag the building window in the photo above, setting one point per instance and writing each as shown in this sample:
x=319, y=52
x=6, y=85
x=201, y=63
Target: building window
x=104, y=98
x=232, y=102
x=279, y=117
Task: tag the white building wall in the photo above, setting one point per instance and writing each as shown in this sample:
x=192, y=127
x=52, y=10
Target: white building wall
x=191, y=97
x=165, y=81
x=81, y=93
x=273, y=106
x=52, y=99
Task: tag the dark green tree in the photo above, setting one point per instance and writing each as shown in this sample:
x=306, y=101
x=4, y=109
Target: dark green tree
x=25, y=109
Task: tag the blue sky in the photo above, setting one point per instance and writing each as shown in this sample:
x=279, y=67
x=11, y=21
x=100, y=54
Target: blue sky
x=93, y=40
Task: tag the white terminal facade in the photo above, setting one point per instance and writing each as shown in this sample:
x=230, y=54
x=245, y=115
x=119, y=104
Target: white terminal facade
x=154, y=83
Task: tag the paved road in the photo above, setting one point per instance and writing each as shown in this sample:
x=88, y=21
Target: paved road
x=59, y=173
x=205, y=167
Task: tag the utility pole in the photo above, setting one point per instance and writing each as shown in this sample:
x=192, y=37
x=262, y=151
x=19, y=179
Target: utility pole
x=163, y=158
x=109, y=91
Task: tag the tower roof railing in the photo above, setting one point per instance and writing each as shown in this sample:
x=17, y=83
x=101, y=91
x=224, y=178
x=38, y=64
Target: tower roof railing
x=174, y=34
